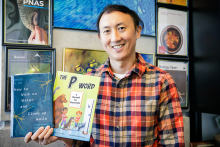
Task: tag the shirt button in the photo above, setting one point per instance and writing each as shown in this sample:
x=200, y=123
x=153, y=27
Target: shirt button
x=119, y=105
x=118, y=126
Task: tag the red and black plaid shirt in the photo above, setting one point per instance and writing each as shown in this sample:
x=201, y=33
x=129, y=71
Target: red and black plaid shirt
x=141, y=109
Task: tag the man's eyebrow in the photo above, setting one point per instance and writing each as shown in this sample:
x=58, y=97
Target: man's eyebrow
x=121, y=23
x=106, y=27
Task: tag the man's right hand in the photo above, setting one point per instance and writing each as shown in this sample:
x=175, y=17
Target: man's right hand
x=43, y=137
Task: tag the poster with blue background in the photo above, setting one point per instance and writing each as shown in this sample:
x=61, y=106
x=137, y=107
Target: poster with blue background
x=83, y=14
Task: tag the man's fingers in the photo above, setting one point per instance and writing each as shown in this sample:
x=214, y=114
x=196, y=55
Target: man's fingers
x=37, y=133
x=48, y=138
x=27, y=138
x=41, y=136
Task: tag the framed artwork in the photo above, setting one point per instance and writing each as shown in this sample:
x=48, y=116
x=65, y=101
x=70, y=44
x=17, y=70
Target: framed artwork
x=178, y=69
x=26, y=61
x=172, y=32
x=83, y=14
x=26, y=23
x=149, y=58
x=82, y=61
x=174, y=2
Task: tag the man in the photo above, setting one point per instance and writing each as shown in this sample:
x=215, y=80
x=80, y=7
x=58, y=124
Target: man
x=138, y=103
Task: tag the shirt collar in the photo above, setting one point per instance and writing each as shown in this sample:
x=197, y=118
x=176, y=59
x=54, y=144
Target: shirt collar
x=139, y=66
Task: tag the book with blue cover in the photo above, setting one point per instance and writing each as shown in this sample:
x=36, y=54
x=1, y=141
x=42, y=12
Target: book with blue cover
x=32, y=103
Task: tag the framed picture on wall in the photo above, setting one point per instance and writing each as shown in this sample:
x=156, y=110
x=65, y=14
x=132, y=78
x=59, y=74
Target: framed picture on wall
x=172, y=32
x=149, y=58
x=26, y=23
x=174, y=2
x=26, y=61
x=81, y=14
x=82, y=60
x=178, y=69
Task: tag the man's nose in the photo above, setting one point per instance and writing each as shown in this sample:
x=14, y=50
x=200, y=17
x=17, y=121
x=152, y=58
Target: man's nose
x=115, y=36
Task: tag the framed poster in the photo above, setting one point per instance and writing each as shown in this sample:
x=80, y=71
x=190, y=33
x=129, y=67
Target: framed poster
x=27, y=23
x=149, y=58
x=174, y=2
x=26, y=61
x=172, y=32
x=82, y=60
x=179, y=72
x=83, y=14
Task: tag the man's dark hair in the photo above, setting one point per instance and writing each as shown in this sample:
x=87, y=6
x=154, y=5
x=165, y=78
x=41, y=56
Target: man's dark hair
x=121, y=8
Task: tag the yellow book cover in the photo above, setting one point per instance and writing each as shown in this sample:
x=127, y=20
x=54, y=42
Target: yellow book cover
x=74, y=97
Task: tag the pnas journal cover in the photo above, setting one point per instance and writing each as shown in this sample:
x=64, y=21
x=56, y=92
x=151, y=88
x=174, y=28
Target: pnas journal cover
x=75, y=97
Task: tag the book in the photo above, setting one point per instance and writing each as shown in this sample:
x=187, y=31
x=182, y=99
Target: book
x=75, y=97
x=32, y=103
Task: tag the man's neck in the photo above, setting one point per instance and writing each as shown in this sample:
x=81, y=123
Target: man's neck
x=122, y=67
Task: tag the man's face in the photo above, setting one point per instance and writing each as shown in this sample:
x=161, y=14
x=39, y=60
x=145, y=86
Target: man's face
x=118, y=35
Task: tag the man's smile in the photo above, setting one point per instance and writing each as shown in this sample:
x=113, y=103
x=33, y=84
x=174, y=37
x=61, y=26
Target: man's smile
x=117, y=46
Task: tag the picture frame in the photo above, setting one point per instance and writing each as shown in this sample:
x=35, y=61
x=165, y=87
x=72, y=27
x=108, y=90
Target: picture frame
x=183, y=3
x=32, y=60
x=82, y=15
x=172, y=32
x=81, y=61
x=179, y=70
x=27, y=23
x=149, y=58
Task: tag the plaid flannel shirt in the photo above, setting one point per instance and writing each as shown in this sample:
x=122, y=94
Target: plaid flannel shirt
x=142, y=109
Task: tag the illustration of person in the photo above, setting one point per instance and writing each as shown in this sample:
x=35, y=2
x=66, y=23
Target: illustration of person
x=64, y=116
x=78, y=115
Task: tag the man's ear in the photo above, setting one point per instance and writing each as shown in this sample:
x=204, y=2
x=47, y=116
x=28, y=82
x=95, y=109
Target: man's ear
x=138, y=31
x=99, y=36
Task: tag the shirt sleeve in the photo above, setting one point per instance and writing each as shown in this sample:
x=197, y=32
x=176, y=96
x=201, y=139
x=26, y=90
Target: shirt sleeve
x=170, y=119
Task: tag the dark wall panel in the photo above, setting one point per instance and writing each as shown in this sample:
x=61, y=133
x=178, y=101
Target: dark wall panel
x=205, y=56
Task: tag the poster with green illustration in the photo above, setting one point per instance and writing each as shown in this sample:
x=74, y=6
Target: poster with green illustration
x=74, y=97
x=82, y=61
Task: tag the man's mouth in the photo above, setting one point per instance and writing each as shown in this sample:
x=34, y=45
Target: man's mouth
x=118, y=46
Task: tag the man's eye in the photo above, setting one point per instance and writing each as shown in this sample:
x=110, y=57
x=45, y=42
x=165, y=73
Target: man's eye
x=106, y=31
x=121, y=28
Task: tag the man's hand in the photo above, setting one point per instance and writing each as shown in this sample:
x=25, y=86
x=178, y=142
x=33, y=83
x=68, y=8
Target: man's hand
x=38, y=36
x=41, y=136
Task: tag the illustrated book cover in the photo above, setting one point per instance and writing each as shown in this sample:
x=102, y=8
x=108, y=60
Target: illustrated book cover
x=32, y=103
x=75, y=97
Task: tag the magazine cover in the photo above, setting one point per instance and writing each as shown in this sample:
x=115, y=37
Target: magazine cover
x=75, y=97
x=32, y=103
x=179, y=72
x=172, y=32
x=31, y=60
x=27, y=22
